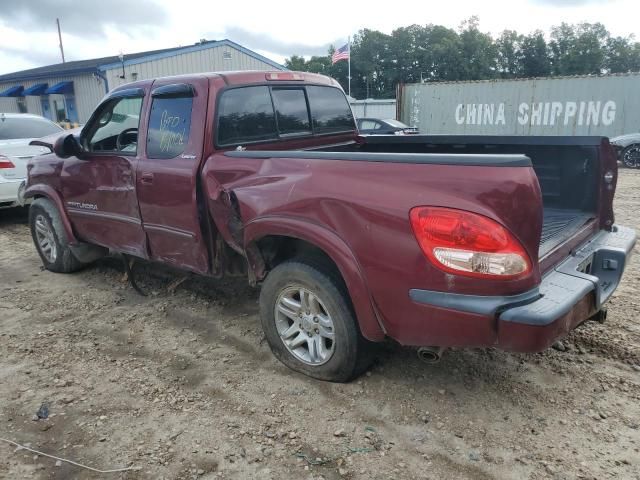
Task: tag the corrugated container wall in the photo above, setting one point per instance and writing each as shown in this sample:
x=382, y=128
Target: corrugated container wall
x=218, y=59
x=384, y=109
x=606, y=105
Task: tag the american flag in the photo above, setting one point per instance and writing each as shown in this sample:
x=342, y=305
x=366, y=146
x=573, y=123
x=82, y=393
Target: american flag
x=340, y=54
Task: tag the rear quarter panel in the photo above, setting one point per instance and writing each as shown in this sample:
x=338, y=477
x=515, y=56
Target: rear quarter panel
x=366, y=205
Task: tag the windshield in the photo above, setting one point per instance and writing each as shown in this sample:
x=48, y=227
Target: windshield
x=397, y=124
x=28, y=127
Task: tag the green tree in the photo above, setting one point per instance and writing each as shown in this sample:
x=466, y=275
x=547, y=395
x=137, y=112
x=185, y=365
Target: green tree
x=318, y=64
x=425, y=53
x=296, y=62
x=373, y=68
x=562, y=46
x=578, y=49
x=535, y=59
x=478, y=52
x=509, y=54
x=622, y=55
x=590, y=48
x=445, y=54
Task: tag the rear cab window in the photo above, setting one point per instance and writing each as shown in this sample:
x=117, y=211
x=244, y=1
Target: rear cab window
x=330, y=110
x=292, y=112
x=268, y=112
x=246, y=115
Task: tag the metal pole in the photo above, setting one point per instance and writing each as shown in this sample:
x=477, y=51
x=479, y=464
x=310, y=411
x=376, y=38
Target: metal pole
x=349, y=73
x=60, y=38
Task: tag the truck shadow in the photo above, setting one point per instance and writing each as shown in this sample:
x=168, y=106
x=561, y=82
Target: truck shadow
x=14, y=216
x=232, y=317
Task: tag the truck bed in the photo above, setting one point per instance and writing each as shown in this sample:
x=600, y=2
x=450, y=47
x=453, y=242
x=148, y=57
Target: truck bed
x=558, y=226
x=567, y=169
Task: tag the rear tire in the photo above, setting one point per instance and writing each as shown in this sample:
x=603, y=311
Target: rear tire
x=631, y=156
x=50, y=238
x=309, y=324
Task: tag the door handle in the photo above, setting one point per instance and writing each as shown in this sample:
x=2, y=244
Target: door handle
x=147, y=178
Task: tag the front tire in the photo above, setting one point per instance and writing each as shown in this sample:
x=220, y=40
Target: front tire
x=50, y=238
x=309, y=323
x=631, y=156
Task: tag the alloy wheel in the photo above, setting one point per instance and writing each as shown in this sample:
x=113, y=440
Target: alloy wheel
x=46, y=239
x=305, y=326
x=631, y=157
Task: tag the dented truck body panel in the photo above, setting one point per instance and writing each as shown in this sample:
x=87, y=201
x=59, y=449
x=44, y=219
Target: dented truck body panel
x=210, y=210
x=345, y=202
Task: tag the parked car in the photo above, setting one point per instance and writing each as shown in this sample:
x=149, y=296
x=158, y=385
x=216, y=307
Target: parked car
x=16, y=132
x=628, y=148
x=354, y=239
x=376, y=126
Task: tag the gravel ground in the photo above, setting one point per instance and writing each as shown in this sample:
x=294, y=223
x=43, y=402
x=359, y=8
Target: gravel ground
x=180, y=384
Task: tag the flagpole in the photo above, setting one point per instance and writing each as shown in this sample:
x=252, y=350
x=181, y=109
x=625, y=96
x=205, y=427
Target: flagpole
x=349, y=73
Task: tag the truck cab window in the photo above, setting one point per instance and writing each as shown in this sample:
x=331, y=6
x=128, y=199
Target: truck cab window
x=330, y=110
x=115, y=127
x=169, y=126
x=291, y=111
x=246, y=115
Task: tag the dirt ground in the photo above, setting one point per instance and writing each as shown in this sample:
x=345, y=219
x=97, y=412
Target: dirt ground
x=182, y=385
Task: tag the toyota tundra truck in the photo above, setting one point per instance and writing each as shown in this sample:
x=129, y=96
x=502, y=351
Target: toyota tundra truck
x=427, y=241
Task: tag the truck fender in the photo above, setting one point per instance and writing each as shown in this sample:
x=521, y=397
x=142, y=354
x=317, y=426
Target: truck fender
x=332, y=245
x=40, y=190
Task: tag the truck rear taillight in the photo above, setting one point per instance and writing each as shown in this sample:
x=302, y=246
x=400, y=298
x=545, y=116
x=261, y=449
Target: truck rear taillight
x=6, y=163
x=466, y=243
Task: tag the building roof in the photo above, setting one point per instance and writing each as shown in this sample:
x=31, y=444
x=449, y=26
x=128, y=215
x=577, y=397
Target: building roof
x=104, y=63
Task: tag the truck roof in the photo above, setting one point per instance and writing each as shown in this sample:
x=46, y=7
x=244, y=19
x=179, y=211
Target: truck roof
x=245, y=77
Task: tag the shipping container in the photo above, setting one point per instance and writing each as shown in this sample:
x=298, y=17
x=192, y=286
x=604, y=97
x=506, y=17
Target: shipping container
x=607, y=105
x=384, y=109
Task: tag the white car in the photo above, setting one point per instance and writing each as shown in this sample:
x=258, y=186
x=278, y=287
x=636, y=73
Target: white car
x=16, y=131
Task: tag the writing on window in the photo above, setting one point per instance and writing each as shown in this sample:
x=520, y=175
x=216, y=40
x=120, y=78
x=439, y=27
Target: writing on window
x=169, y=127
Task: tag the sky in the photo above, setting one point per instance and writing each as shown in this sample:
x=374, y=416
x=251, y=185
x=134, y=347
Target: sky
x=97, y=28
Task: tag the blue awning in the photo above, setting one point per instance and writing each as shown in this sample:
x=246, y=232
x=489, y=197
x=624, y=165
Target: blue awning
x=37, y=89
x=60, y=88
x=15, y=91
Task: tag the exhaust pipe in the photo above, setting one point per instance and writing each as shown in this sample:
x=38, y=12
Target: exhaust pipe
x=430, y=355
x=600, y=316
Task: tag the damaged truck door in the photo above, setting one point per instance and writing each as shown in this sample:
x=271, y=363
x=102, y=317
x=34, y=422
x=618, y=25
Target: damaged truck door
x=167, y=174
x=98, y=185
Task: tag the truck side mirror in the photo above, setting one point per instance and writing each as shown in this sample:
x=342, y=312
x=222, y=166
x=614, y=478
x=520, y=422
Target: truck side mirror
x=67, y=146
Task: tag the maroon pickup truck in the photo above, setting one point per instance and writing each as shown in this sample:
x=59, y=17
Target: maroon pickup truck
x=431, y=241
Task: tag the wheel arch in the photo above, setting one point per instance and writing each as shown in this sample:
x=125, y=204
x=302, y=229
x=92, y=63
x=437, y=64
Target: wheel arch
x=269, y=241
x=45, y=191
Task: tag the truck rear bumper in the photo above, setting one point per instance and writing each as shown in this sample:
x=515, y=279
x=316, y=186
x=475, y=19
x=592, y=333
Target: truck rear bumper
x=568, y=295
x=571, y=293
